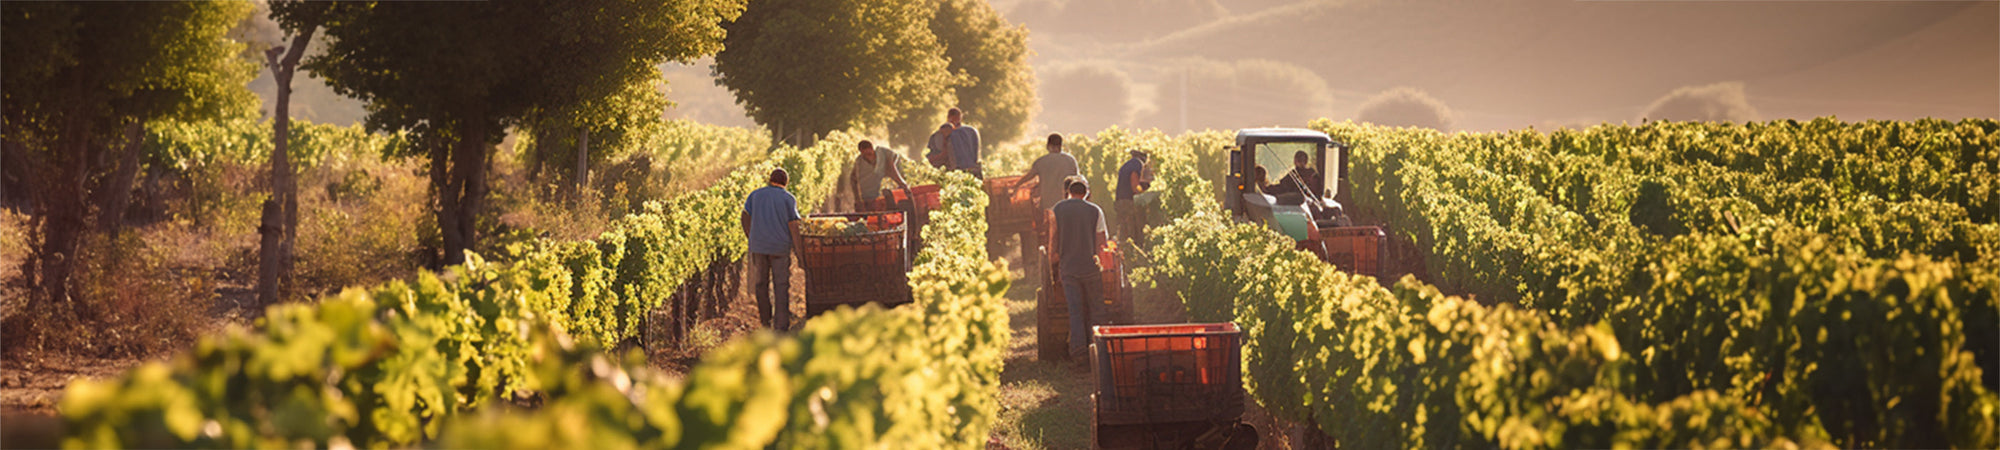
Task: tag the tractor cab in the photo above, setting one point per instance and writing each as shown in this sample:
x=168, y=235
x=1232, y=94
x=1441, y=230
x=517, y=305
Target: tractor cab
x=1288, y=178
x=1294, y=181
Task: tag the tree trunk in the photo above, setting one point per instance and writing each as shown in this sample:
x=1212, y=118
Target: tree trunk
x=114, y=194
x=64, y=207
x=462, y=199
x=281, y=211
x=538, y=154
x=582, y=177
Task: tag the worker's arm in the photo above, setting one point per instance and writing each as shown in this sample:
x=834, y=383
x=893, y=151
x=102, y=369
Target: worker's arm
x=1027, y=176
x=1055, y=253
x=1103, y=235
x=746, y=223
x=797, y=247
x=896, y=173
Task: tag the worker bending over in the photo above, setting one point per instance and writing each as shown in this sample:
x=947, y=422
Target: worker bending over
x=864, y=177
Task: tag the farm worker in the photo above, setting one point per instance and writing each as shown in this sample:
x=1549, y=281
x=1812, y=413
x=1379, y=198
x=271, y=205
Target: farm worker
x=1259, y=178
x=1134, y=177
x=1302, y=174
x=864, y=177
x=771, y=224
x=1050, y=168
x=1078, y=233
x=939, y=148
x=964, y=144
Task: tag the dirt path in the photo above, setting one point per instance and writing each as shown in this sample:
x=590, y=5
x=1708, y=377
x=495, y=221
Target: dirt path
x=1043, y=405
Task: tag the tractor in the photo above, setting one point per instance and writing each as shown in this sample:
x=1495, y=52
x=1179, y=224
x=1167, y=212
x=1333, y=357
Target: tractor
x=1295, y=181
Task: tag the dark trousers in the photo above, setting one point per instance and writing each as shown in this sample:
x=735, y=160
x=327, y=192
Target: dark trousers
x=1081, y=291
x=772, y=273
x=1131, y=222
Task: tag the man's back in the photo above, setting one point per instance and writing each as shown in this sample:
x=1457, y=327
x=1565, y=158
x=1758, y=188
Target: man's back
x=1077, y=224
x=1128, y=176
x=1051, y=169
x=771, y=209
x=965, y=147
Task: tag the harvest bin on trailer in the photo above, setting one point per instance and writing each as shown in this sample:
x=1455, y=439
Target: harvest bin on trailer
x=1010, y=208
x=852, y=269
x=916, y=203
x=1012, y=211
x=1168, y=386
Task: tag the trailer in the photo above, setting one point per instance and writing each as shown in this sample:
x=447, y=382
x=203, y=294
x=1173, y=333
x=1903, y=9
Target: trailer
x=862, y=259
x=1168, y=386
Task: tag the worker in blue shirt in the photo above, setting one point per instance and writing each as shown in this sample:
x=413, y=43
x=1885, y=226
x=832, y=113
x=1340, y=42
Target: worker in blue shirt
x=771, y=224
x=1134, y=177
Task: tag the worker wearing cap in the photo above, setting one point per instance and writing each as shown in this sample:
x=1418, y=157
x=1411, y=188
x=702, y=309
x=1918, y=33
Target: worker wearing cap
x=1076, y=236
x=864, y=177
x=1134, y=177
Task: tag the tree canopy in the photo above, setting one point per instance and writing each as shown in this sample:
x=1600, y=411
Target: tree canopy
x=453, y=74
x=989, y=56
x=815, y=66
x=113, y=62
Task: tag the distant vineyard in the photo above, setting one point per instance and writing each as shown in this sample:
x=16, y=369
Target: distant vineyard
x=438, y=360
x=1671, y=285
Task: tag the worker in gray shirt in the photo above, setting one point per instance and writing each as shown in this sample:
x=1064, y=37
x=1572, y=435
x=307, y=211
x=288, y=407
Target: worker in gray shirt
x=1077, y=235
x=1050, y=168
x=964, y=144
x=864, y=177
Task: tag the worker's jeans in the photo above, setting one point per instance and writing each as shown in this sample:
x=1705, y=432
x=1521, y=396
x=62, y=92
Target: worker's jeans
x=1081, y=292
x=766, y=271
x=1131, y=224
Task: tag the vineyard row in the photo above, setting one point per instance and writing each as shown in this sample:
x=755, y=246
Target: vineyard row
x=444, y=360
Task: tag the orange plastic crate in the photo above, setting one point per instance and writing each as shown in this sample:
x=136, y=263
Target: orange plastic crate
x=1168, y=373
x=1356, y=249
x=929, y=196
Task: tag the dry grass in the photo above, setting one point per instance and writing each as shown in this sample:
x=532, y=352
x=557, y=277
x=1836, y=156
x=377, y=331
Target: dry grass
x=357, y=226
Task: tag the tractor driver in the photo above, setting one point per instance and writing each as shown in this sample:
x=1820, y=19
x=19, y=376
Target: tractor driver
x=1302, y=174
x=1078, y=233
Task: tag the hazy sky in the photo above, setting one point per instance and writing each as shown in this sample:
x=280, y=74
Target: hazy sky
x=1496, y=64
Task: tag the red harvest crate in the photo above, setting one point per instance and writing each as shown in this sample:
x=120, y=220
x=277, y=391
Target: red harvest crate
x=851, y=270
x=1168, y=373
x=928, y=196
x=1010, y=207
x=1356, y=249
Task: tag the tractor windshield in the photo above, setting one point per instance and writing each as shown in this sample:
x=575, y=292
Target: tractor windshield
x=1281, y=162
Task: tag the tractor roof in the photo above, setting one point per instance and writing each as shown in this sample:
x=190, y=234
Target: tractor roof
x=1246, y=135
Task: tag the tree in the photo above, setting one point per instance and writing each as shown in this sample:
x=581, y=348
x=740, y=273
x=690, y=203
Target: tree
x=803, y=68
x=989, y=59
x=281, y=212
x=452, y=75
x=1719, y=102
x=1406, y=107
x=82, y=80
x=573, y=136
